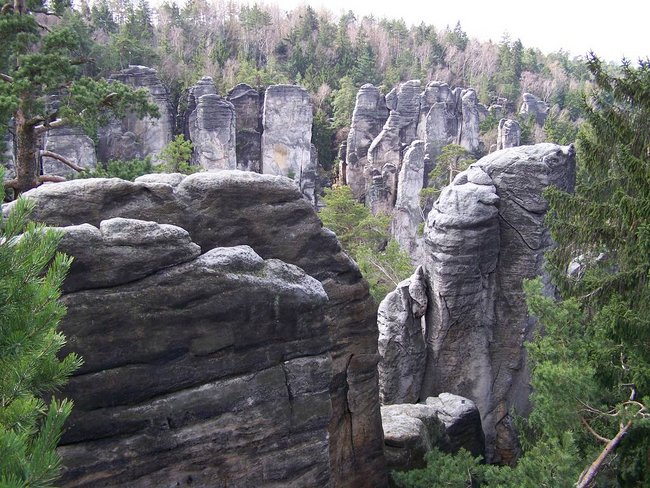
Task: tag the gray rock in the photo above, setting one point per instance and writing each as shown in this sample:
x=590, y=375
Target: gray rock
x=534, y=107
x=7, y=157
x=470, y=122
x=134, y=138
x=246, y=101
x=188, y=102
x=286, y=136
x=158, y=405
x=448, y=422
x=402, y=351
x=485, y=235
x=71, y=143
x=269, y=214
x=370, y=114
x=212, y=132
x=407, y=214
x=439, y=121
x=509, y=134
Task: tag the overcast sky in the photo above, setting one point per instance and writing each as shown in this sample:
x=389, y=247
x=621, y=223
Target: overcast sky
x=611, y=30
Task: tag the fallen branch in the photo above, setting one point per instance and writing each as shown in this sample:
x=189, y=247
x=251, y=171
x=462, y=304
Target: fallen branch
x=589, y=474
x=65, y=161
x=51, y=125
x=6, y=78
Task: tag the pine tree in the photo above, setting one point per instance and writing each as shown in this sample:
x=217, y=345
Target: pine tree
x=31, y=273
x=40, y=89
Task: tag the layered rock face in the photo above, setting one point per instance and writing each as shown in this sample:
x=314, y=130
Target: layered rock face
x=438, y=120
x=246, y=101
x=533, y=106
x=133, y=138
x=212, y=131
x=188, y=102
x=484, y=236
x=7, y=157
x=286, y=136
x=509, y=134
x=448, y=422
x=370, y=114
x=71, y=143
x=273, y=345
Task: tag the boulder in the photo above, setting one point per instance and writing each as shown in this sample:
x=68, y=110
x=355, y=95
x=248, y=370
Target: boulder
x=370, y=114
x=269, y=214
x=448, y=422
x=509, y=134
x=408, y=216
x=402, y=351
x=484, y=236
x=134, y=138
x=73, y=144
x=286, y=136
x=246, y=101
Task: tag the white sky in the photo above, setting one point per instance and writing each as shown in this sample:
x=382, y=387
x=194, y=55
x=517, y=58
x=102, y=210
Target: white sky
x=611, y=29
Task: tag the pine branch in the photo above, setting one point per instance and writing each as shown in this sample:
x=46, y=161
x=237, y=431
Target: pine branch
x=58, y=157
x=6, y=78
x=51, y=179
x=51, y=125
x=588, y=476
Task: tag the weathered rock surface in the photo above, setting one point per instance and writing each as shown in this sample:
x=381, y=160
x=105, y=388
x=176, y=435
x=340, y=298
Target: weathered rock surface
x=71, y=143
x=485, y=235
x=407, y=214
x=212, y=132
x=286, y=136
x=133, y=138
x=385, y=152
x=370, y=114
x=203, y=403
x=402, y=351
x=534, y=107
x=509, y=134
x=188, y=102
x=246, y=101
x=448, y=422
x=270, y=215
x=470, y=122
x=7, y=157
x=439, y=121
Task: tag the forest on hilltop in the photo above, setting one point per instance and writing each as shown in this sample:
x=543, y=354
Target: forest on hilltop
x=330, y=56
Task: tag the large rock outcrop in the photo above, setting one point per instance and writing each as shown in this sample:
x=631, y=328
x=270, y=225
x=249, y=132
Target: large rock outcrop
x=448, y=422
x=286, y=136
x=370, y=114
x=246, y=101
x=484, y=236
x=508, y=134
x=534, y=107
x=228, y=208
x=439, y=120
x=212, y=132
x=188, y=102
x=134, y=138
x=402, y=351
x=71, y=143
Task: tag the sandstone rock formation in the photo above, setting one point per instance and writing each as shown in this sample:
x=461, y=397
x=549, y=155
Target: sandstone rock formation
x=246, y=101
x=212, y=132
x=286, y=136
x=133, y=138
x=534, y=107
x=370, y=114
x=71, y=143
x=470, y=122
x=385, y=152
x=402, y=351
x=408, y=216
x=188, y=102
x=228, y=208
x=509, y=134
x=485, y=235
x=7, y=157
x=448, y=422
x=438, y=121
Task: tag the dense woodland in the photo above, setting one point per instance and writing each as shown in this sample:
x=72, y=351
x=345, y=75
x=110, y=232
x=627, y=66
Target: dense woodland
x=591, y=368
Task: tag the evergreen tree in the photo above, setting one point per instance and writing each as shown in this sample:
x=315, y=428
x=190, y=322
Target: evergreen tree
x=35, y=64
x=31, y=273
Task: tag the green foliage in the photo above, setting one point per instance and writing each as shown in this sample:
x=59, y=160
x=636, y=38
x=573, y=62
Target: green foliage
x=366, y=238
x=343, y=101
x=125, y=170
x=560, y=129
x=323, y=138
x=175, y=157
x=452, y=160
x=459, y=471
x=31, y=273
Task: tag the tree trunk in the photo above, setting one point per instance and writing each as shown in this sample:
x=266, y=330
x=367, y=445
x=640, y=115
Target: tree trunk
x=27, y=163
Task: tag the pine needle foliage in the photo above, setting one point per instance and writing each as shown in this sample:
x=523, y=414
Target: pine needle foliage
x=31, y=274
